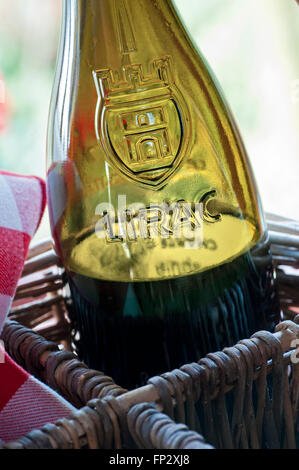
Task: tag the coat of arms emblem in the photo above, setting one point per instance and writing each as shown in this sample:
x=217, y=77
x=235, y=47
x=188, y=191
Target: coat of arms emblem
x=142, y=121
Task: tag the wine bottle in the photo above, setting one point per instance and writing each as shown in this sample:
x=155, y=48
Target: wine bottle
x=153, y=206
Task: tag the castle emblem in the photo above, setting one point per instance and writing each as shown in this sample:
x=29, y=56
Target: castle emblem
x=142, y=121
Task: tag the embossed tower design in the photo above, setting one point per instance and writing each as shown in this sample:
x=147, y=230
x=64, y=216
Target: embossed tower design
x=141, y=120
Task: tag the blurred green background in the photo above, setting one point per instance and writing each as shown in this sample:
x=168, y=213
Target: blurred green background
x=252, y=46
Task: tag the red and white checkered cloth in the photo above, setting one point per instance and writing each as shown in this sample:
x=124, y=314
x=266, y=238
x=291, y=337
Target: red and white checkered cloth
x=25, y=403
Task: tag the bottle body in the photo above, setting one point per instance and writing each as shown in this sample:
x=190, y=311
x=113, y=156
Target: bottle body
x=151, y=196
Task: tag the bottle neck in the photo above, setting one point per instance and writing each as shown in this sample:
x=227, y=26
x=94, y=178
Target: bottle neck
x=115, y=33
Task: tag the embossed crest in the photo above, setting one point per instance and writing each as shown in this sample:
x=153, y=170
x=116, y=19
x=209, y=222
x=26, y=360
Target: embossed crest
x=142, y=121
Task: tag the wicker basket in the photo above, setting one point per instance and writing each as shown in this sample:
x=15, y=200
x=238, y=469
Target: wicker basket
x=243, y=397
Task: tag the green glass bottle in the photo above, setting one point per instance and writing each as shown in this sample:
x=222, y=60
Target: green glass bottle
x=153, y=205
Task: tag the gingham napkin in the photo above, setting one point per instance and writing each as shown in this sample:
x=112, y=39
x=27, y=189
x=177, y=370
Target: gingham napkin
x=25, y=403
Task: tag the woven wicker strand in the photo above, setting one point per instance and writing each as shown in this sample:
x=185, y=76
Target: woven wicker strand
x=101, y=424
x=93, y=427
x=218, y=375
x=151, y=429
x=66, y=374
x=61, y=370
